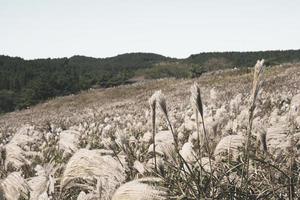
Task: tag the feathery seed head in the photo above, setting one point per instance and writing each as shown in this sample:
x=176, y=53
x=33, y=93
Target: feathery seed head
x=196, y=98
x=259, y=66
x=263, y=141
x=161, y=100
x=139, y=167
x=257, y=79
x=152, y=101
x=2, y=154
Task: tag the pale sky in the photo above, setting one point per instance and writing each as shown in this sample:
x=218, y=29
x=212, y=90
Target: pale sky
x=104, y=28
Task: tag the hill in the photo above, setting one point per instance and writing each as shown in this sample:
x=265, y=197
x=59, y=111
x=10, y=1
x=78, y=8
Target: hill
x=27, y=82
x=99, y=143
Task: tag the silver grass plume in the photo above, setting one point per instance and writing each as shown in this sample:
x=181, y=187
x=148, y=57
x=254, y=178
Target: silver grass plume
x=257, y=78
x=15, y=186
x=139, y=167
x=69, y=141
x=196, y=98
x=263, y=141
x=161, y=100
x=141, y=189
x=90, y=196
x=82, y=196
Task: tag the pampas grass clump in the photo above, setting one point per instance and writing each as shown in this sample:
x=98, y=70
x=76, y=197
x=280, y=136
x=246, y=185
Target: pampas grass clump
x=91, y=165
x=15, y=187
x=69, y=141
x=229, y=147
x=163, y=141
x=15, y=157
x=141, y=189
x=42, y=185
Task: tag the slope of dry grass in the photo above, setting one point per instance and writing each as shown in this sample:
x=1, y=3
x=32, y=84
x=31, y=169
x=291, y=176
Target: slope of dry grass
x=116, y=125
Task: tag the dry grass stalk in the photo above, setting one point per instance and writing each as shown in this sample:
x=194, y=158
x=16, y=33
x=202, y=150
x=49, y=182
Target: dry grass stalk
x=291, y=169
x=292, y=164
x=197, y=103
x=161, y=101
x=257, y=84
x=2, y=159
x=152, y=103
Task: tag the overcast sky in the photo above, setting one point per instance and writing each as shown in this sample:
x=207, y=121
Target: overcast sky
x=103, y=28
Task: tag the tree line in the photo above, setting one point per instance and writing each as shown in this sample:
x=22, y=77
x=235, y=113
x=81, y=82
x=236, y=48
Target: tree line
x=27, y=82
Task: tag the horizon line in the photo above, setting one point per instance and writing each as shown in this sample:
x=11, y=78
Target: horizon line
x=145, y=52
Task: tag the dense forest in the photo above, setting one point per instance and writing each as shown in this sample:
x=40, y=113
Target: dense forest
x=26, y=82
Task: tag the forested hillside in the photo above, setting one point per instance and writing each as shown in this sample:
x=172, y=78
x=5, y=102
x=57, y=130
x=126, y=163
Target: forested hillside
x=24, y=83
x=27, y=82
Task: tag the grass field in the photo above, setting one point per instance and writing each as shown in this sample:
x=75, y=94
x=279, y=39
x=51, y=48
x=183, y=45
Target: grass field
x=232, y=135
